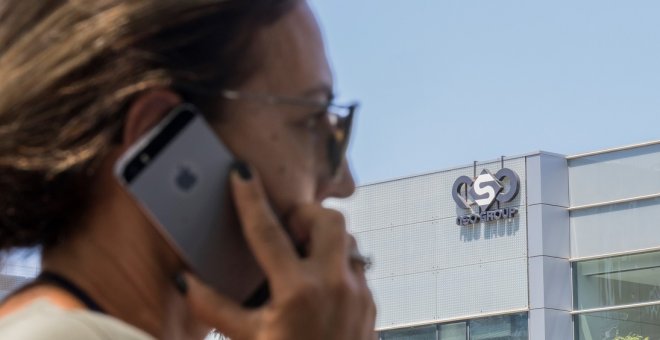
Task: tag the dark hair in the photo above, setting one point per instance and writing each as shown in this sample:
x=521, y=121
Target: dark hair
x=71, y=68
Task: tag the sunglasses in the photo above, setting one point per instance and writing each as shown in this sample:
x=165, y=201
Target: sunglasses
x=340, y=118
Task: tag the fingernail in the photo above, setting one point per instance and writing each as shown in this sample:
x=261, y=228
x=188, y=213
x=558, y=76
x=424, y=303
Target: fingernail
x=243, y=170
x=181, y=284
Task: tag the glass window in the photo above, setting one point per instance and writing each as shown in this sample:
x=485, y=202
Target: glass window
x=617, y=281
x=418, y=333
x=453, y=331
x=507, y=327
x=632, y=323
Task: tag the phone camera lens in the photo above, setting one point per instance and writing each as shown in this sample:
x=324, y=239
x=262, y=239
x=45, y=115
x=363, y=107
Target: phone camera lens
x=144, y=158
x=133, y=169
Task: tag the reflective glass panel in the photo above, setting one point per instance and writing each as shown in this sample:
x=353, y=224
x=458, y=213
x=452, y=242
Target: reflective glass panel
x=418, y=333
x=506, y=327
x=629, y=324
x=617, y=280
x=453, y=331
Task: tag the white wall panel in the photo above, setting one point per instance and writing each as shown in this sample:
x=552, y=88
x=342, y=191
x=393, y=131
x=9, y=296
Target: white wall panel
x=442, y=244
x=617, y=175
x=482, y=288
x=405, y=299
x=454, y=292
x=493, y=241
x=402, y=250
x=615, y=228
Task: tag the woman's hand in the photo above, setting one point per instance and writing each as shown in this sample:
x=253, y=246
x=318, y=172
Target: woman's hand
x=321, y=297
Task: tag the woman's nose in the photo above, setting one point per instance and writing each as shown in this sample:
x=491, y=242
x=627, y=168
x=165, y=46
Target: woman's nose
x=341, y=186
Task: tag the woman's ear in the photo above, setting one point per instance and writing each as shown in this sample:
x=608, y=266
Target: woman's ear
x=146, y=111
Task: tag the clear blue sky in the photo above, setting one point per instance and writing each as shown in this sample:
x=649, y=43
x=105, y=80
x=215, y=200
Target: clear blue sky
x=444, y=83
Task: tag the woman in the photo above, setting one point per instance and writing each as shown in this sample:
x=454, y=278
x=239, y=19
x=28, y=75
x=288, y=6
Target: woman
x=82, y=81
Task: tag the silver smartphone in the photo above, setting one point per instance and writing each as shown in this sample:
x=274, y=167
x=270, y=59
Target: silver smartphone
x=178, y=174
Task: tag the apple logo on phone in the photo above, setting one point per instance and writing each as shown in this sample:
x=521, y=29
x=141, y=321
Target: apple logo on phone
x=185, y=178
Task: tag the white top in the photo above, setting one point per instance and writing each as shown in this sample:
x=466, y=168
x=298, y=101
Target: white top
x=43, y=320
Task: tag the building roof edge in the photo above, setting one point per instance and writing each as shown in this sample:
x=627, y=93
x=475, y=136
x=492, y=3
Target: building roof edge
x=529, y=154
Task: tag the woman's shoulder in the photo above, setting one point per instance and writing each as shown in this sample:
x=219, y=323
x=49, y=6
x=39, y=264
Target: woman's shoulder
x=44, y=320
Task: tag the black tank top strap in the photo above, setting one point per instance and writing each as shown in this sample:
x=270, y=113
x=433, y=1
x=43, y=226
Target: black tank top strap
x=65, y=284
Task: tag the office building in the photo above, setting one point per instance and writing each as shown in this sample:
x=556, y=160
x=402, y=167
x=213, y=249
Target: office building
x=538, y=246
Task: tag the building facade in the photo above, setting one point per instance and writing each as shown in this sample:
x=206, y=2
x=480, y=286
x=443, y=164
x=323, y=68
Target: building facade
x=17, y=269
x=539, y=246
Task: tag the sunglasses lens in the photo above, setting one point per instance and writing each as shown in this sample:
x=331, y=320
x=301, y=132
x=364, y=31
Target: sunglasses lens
x=338, y=142
x=334, y=155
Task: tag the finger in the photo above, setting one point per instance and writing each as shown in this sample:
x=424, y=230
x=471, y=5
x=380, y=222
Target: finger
x=218, y=311
x=326, y=230
x=267, y=239
x=370, y=324
x=367, y=301
x=358, y=262
x=329, y=240
x=359, y=270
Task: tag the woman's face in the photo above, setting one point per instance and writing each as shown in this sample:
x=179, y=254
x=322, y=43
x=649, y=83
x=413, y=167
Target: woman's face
x=285, y=143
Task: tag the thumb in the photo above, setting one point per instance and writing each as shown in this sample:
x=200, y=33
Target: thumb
x=219, y=312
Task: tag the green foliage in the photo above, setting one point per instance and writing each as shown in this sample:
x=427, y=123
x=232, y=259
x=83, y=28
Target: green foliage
x=631, y=336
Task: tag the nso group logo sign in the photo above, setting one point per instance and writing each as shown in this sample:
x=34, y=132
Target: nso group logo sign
x=481, y=193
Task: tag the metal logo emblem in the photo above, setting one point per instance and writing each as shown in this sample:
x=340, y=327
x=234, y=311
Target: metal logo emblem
x=479, y=195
